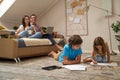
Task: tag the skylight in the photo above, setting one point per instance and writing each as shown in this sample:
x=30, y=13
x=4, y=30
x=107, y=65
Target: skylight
x=1, y=1
x=5, y=5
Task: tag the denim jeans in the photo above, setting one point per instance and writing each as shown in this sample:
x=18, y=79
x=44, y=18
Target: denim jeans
x=36, y=35
x=49, y=36
x=39, y=35
x=24, y=34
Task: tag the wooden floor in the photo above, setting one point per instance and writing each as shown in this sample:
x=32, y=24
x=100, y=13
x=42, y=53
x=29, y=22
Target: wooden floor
x=30, y=69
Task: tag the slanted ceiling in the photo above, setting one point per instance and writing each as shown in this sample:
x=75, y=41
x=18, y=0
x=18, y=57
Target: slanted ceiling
x=27, y=7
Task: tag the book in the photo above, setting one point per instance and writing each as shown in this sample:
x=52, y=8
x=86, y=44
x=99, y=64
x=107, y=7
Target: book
x=75, y=67
x=105, y=64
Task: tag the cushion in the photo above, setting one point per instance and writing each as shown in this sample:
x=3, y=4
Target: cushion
x=2, y=27
x=36, y=42
x=57, y=40
x=4, y=32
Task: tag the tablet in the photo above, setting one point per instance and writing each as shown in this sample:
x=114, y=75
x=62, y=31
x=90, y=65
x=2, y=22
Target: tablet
x=51, y=67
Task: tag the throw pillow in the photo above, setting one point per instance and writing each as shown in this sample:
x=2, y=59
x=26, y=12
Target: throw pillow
x=2, y=27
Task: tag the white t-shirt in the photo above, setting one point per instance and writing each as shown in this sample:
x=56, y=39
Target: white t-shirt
x=21, y=28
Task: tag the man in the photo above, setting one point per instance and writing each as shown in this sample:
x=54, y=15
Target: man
x=36, y=28
x=39, y=33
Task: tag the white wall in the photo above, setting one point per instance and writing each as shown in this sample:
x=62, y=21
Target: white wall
x=55, y=17
x=98, y=25
x=97, y=22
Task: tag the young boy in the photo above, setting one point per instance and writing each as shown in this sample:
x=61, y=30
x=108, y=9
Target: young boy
x=71, y=53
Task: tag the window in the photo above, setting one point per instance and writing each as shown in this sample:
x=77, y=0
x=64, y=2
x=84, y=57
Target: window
x=5, y=5
x=1, y=1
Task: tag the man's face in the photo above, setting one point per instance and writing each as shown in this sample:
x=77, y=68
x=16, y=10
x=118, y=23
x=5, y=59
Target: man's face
x=32, y=19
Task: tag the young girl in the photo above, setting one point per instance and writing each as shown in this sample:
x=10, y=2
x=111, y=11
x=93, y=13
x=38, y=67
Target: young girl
x=100, y=52
x=25, y=29
x=71, y=53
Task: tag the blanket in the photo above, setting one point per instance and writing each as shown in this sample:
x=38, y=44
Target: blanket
x=36, y=42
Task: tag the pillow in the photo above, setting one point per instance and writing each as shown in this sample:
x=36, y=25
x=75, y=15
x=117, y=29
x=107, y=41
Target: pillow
x=2, y=27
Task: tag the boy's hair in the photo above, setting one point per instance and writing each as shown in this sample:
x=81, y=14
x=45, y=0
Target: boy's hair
x=75, y=40
x=99, y=41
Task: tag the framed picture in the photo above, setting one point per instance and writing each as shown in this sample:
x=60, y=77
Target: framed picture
x=76, y=17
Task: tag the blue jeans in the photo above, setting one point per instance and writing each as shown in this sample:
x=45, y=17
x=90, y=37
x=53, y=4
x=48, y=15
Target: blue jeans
x=39, y=35
x=49, y=36
x=36, y=35
x=24, y=34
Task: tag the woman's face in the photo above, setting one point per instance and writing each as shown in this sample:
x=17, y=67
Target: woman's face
x=27, y=20
x=76, y=47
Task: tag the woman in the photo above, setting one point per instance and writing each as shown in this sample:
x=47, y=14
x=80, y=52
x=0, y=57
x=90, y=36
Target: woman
x=25, y=29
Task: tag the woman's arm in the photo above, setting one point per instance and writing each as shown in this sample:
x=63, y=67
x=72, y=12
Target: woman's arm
x=19, y=29
x=107, y=52
x=66, y=61
x=92, y=56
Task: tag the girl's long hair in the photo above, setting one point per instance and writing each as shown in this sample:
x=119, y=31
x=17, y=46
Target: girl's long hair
x=23, y=21
x=99, y=41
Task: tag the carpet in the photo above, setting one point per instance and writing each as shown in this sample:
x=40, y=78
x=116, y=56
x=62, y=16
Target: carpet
x=30, y=69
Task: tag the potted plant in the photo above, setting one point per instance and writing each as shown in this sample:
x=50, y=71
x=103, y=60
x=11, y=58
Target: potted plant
x=116, y=29
x=15, y=27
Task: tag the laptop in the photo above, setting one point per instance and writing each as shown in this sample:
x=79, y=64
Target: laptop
x=48, y=30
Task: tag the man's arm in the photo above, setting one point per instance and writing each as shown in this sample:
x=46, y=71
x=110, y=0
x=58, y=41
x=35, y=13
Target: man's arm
x=76, y=61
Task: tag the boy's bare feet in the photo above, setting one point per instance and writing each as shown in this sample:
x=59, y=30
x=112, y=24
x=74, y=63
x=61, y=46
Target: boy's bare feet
x=54, y=54
x=50, y=54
